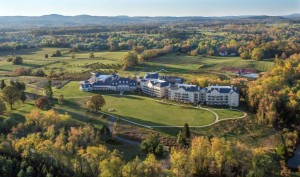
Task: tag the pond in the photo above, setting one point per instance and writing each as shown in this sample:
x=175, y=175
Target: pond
x=294, y=162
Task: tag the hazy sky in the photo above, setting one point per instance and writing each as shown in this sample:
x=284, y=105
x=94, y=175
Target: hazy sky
x=149, y=7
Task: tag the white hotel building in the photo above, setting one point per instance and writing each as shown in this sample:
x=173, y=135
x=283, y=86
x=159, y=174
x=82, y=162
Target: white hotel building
x=155, y=86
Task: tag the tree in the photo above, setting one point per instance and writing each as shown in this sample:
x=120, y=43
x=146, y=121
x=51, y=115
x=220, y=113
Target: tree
x=134, y=168
x=40, y=73
x=151, y=144
x=46, y=56
x=10, y=94
x=130, y=60
x=57, y=54
x=111, y=166
x=91, y=56
x=61, y=99
x=245, y=55
x=23, y=96
x=283, y=55
x=152, y=166
x=181, y=140
x=257, y=54
x=186, y=131
x=19, y=85
x=2, y=107
x=195, y=52
x=73, y=55
x=2, y=84
x=49, y=92
x=96, y=102
x=17, y=60
x=178, y=160
x=41, y=102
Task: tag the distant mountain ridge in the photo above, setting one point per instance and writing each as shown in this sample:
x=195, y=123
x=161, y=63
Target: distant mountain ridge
x=61, y=20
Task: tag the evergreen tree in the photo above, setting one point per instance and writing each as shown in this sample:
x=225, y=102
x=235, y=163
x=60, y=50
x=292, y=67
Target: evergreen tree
x=186, y=131
x=23, y=97
x=2, y=107
x=2, y=84
x=49, y=93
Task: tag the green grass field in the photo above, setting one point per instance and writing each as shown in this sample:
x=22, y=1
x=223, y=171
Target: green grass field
x=227, y=113
x=145, y=111
x=184, y=64
x=36, y=58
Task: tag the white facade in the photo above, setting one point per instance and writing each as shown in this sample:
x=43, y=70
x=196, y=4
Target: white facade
x=155, y=87
x=222, y=95
x=185, y=93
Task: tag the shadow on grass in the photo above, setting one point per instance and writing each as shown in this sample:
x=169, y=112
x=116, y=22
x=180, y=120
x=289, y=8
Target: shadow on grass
x=83, y=117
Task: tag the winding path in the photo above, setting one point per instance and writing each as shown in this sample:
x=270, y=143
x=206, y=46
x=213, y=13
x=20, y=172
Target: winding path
x=217, y=118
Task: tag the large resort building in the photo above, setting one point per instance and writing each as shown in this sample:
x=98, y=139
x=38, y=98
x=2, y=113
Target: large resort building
x=108, y=82
x=165, y=87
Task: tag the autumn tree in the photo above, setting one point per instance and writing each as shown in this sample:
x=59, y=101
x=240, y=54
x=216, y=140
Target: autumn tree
x=134, y=168
x=257, y=54
x=41, y=102
x=111, y=166
x=245, y=55
x=10, y=94
x=73, y=55
x=61, y=99
x=130, y=60
x=96, y=102
x=91, y=55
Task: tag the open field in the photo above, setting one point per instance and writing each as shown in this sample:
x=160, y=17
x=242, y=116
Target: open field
x=183, y=64
x=36, y=58
x=145, y=111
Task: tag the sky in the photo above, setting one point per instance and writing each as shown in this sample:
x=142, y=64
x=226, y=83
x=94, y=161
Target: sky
x=149, y=7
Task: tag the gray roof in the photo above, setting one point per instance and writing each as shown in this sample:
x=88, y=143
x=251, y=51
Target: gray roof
x=151, y=76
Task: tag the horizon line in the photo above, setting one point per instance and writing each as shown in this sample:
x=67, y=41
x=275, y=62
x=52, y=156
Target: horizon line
x=147, y=16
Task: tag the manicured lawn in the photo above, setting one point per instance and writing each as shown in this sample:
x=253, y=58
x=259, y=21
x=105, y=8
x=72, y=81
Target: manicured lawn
x=71, y=90
x=145, y=111
x=227, y=113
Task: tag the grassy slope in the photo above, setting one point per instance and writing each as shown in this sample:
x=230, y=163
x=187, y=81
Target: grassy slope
x=183, y=64
x=36, y=58
x=149, y=112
